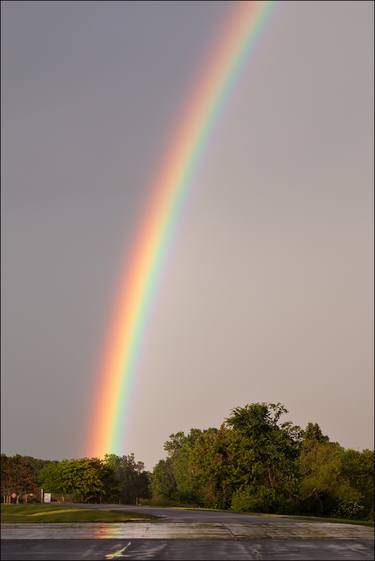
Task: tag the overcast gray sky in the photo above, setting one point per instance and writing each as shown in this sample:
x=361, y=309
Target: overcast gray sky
x=267, y=291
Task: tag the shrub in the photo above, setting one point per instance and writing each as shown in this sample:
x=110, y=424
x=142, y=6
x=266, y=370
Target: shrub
x=255, y=499
x=350, y=509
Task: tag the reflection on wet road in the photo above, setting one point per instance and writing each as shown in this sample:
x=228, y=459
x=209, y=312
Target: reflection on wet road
x=329, y=550
x=181, y=530
x=189, y=534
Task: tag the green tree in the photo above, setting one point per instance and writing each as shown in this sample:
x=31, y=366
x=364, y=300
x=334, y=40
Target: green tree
x=268, y=455
x=358, y=469
x=52, y=480
x=324, y=485
x=179, y=448
x=82, y=479
x=313, y=433
x=163, y=483
x=19, y=476
x=128, y=481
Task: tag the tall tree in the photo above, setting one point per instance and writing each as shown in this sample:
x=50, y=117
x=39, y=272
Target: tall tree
x=272, y=447
x=130, y=481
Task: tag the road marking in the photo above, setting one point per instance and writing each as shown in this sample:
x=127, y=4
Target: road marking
x=119, y=553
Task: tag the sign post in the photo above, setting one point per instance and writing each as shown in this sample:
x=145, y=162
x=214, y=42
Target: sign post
x=47, y=497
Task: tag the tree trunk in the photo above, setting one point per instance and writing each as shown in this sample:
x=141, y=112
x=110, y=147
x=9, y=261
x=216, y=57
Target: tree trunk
x=270, y=478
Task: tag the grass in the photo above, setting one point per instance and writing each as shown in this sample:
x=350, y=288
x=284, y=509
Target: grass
x=314, y=518
x=291, y=516
x=15, y=514
x=58, y=513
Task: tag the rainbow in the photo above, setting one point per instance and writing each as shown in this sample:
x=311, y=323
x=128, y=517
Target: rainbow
x=140, y=276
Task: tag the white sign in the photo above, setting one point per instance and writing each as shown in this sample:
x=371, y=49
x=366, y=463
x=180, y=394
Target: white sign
x=47, y=497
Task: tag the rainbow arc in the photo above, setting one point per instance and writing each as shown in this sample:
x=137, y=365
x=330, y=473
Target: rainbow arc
x=139, y=279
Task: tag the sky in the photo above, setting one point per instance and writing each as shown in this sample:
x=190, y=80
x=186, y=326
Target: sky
x=266, y=294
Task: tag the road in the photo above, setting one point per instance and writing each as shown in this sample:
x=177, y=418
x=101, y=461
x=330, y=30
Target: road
x=189, y=534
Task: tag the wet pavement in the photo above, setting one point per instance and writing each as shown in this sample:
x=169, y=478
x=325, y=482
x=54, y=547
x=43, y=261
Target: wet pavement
x=189, y=534
x=188, y=549
x=182, y=530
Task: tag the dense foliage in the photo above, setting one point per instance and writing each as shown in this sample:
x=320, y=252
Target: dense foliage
x=114, y=479
x=255, y=462
x=19, y=477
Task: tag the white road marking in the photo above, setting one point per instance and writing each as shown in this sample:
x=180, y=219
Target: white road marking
x=119, y=553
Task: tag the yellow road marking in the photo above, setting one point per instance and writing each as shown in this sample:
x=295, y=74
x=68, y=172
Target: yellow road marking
x=48, y=512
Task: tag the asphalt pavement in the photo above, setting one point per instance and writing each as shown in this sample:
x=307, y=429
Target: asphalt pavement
x=189, y=534
x=188, y=549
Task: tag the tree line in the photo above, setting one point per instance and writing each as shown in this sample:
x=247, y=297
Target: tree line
x=254, y=462
x=119, y=479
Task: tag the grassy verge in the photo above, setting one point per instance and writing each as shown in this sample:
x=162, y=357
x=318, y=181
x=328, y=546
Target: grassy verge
x=314, y=518
x=262, y=515
x=15, y=514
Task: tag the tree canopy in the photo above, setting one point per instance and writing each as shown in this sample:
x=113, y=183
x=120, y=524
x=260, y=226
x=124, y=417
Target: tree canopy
x=255, y=461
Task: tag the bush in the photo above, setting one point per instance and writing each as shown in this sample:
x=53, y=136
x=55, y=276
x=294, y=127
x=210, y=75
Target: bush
x=158, y=501
x=255, y=499
x=350, y=509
